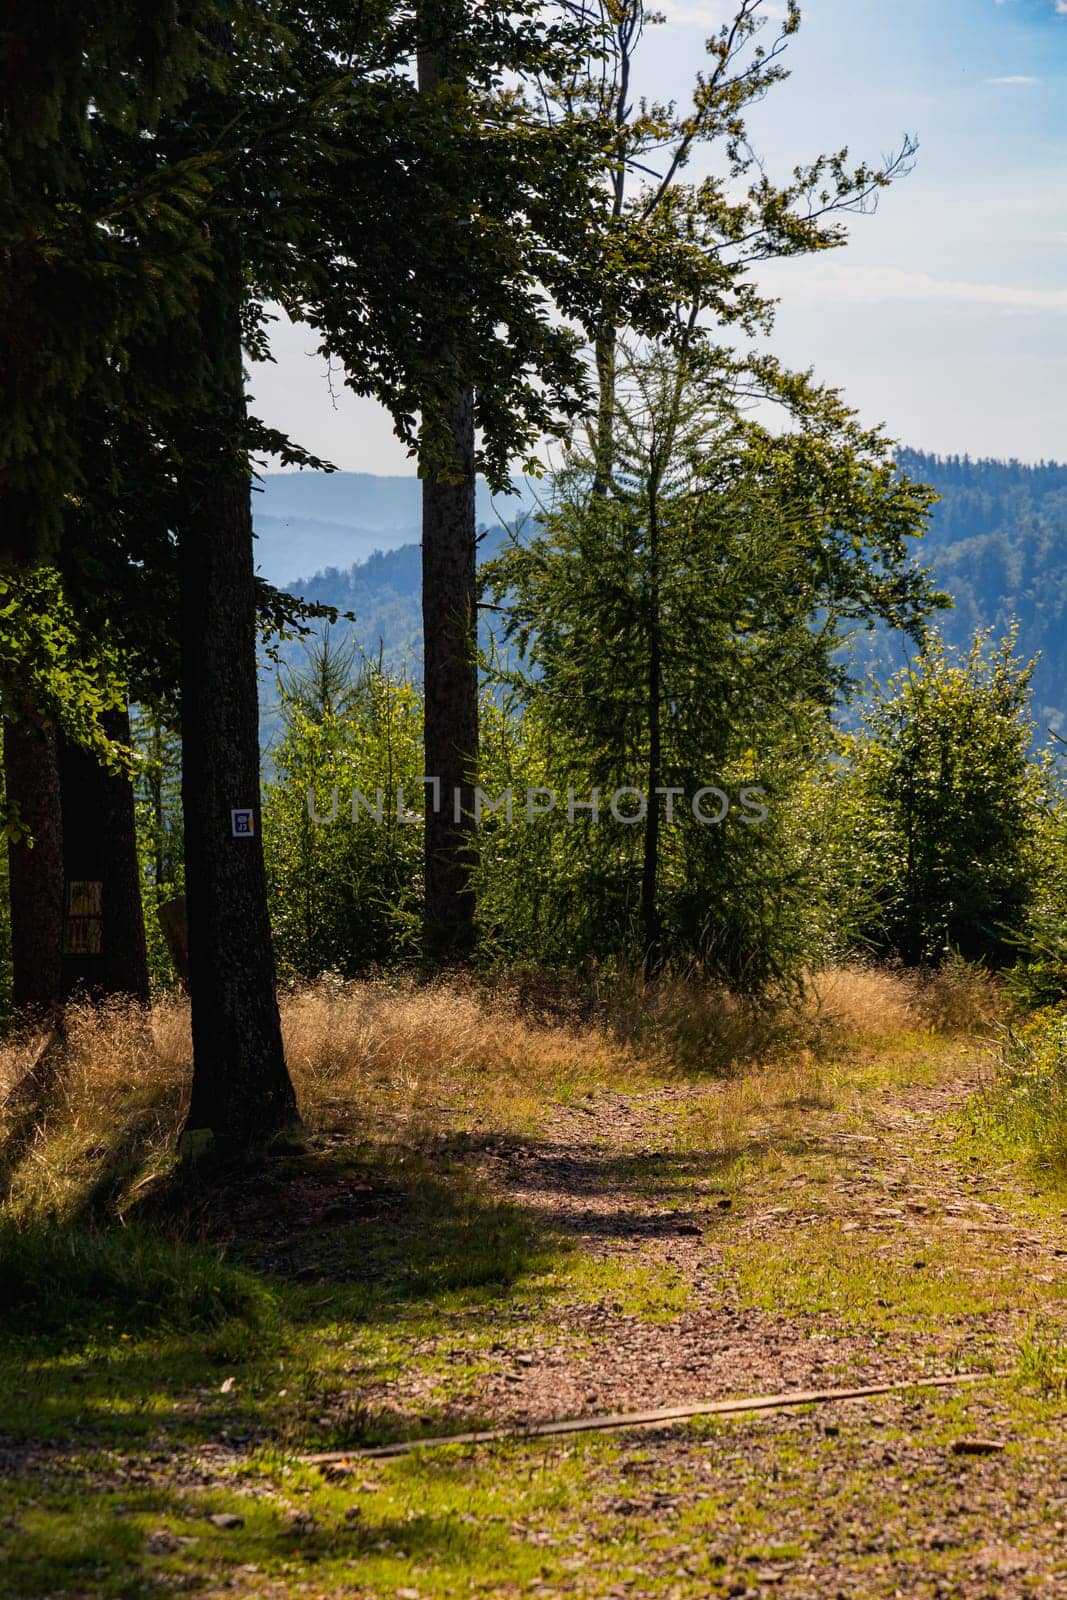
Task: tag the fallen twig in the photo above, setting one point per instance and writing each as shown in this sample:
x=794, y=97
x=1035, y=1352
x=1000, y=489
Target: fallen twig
x=644, y=1419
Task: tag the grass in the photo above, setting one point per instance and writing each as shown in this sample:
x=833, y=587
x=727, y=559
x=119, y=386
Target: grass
x=79, y=1280
x=168, y=1350
x=1024, y=1109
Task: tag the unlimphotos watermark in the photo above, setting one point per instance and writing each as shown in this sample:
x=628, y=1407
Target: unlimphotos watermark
x=708, y=805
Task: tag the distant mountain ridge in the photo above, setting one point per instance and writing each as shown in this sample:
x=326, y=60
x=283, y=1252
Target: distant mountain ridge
x=997, y=544
x=307, y=522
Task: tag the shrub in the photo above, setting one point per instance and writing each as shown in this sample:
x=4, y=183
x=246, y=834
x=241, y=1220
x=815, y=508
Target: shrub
x=936, y=812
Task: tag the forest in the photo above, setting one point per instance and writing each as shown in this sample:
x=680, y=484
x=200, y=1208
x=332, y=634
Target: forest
x=594, y=961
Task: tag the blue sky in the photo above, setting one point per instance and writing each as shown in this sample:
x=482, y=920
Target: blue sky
x=946, y=315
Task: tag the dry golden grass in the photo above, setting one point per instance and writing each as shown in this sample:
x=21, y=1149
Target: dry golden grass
x=877, y=1005
x=399, y=1063
x=382, y=1063
x=759, y=1109
x=419, y=1055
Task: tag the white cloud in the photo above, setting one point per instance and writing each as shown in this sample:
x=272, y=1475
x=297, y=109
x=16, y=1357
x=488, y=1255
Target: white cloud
x=1014, y=78
x=827, y=283
x=710, y=14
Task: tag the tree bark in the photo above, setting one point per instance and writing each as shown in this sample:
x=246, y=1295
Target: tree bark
x=654, y=690
x=104, y=950
x=31, y=774
x=450, y=651
x=450, y=635
x=605, y=360
x=241, y=1088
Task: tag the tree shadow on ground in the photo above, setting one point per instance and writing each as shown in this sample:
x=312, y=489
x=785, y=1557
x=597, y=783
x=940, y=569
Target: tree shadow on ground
x=248, y=1271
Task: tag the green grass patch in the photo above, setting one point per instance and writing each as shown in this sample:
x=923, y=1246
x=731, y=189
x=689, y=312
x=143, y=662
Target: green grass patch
x=76, y=1281
x=825, y=1272
x=1023, y=1112
x=1042, y=1364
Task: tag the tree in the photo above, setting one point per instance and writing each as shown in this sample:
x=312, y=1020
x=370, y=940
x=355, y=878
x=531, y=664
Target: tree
x=694, y=244
x=150, y=182
x=449, y=603
x=97, y=241
x=685, y=630
x=54, y=683
x=35, y=865
x=441, y=314
x=946, y=806
x=242, y=1094
x=104, y=948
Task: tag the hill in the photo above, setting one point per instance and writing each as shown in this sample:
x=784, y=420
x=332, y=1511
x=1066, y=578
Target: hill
x=997, y=544
x=307, y=522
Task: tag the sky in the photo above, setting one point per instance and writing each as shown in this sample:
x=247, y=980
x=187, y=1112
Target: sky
x=945, y=316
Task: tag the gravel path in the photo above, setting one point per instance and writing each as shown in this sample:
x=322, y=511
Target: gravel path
x=611, y=1177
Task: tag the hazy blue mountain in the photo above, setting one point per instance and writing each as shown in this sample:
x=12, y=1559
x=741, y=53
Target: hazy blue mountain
x=290, y=549
x=307, y=522
x=997, y=544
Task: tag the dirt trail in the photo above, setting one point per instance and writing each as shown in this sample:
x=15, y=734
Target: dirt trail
x=613, y=1177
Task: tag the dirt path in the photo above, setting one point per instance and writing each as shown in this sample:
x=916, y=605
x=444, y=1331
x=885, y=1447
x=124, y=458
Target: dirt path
x=789, y=1231
x=878, y=1188
x=835, y=1244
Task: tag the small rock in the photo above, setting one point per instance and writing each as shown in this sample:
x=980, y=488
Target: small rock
x=162, y=1542
x=227, y=1519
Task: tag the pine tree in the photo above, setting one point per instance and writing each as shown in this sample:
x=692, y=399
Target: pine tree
x=686, y=629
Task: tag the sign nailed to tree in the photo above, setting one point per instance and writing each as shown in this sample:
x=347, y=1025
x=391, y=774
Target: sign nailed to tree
x=243, y=823
x=83, y=924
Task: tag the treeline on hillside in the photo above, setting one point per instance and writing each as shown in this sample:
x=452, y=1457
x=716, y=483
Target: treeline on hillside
x=997, y=542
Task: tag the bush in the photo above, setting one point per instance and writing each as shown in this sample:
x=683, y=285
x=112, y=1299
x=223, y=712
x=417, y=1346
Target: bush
x=346, y=892
x=935, y=815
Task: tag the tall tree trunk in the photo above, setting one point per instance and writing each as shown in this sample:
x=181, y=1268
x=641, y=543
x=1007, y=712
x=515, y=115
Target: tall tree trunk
x=104, y=951
x=31, y=776
x=627, y=26
x=449, y=616
x=605, y=353
x=650, y=866
x=450, y=652
x=241, y=1090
